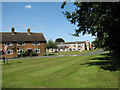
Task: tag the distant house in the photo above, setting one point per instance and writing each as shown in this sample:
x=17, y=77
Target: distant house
x=72, y=46
x=21, y=42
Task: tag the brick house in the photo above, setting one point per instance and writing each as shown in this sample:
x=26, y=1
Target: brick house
x=21, y=42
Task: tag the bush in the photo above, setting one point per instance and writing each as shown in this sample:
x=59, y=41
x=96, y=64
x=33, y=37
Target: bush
x=33, y=54
x=45, y=54
x=23, y=54
x=26, y=54
x=51, y=54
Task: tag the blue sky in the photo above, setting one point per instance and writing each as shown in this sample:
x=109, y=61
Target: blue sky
x=45, y=17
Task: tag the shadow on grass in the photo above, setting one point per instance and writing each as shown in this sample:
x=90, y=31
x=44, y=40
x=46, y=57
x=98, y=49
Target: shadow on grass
x=51, y=54
x=11, y=63
x=108, y=61
x=19, y=62
x=7, y=64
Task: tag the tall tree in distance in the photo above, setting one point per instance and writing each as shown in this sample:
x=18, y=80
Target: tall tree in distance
x=101, y=19
x=59, y=40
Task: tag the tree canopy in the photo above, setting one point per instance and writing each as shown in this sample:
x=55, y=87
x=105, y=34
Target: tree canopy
x=101, y=19
x=59, y=40
x=51, y=44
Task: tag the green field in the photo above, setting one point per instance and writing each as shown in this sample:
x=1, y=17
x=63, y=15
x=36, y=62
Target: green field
x=71, y=52
x=61, y=72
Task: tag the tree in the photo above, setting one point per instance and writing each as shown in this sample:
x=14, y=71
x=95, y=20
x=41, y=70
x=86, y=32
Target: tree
x=59, y=40
x=51, y=44
x=97, y=43
x=99, y=19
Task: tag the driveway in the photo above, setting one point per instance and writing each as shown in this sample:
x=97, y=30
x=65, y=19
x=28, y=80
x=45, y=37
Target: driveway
x=90, y=53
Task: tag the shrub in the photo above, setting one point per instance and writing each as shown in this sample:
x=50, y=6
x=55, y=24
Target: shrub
x=33, y=54
x=51, y=54
x=26, y=54
x=23, y=54
x=44, y=54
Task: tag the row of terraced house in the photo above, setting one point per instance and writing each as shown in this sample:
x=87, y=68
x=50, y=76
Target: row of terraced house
x=21, y=42
x=33, y=42
x=73, y=46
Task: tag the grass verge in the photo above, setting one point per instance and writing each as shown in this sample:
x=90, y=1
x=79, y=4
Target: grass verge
x=61, y=72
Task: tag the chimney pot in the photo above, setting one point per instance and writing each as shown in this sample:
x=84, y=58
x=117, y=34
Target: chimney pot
x=13, y=31
x=28, y=31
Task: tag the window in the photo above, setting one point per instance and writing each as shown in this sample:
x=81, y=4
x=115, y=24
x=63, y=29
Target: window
x=81, y=44
x=74, y=45
x=37, y=50
x=63, y=49
x=36, y=43
x=73, y=49
x=21, y=51
x=8, y=43
x=70, y=49
x=9, y=52
x=21, y=43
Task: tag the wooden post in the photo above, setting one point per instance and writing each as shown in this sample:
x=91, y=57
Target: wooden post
x=6, y=57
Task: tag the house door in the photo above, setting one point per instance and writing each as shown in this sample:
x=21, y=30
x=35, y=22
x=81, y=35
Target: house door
x=70, y=49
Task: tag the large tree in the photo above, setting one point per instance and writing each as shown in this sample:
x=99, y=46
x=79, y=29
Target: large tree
x=98, y=43
x=59, y=40
x=100, y=19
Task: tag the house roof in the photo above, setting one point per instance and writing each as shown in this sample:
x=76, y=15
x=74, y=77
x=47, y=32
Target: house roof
x=78, y=42
x=7, y=36
x=74, y=42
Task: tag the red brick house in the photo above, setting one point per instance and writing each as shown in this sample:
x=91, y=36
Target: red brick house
x=21, y=42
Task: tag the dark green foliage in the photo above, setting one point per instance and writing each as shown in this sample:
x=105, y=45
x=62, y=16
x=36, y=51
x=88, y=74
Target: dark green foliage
x=25, y=54
x=98, y=43
x=22, y=55
x=100, y=19
x=51, y=44
x=33, y=54
x=12, y=28
x=59, y=40
x=64, y=3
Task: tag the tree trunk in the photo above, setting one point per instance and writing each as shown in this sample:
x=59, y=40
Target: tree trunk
x=110, y=51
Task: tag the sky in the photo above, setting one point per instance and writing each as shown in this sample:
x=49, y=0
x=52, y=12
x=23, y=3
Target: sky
x=40, y=17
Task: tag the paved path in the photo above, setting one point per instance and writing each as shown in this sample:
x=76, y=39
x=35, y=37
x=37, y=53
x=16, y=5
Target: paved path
x=90, y=53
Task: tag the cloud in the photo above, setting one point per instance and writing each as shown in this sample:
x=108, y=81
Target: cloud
x=28, y=6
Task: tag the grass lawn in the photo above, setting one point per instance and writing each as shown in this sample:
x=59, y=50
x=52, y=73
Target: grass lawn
x=60, y=72
x=71, y=52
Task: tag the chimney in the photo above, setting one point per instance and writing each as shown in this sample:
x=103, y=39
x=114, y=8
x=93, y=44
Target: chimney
x=76, y=42
x=28, y=31
x=13, y=31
